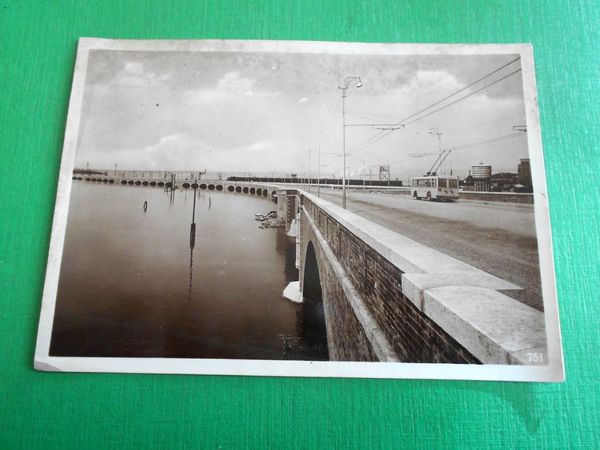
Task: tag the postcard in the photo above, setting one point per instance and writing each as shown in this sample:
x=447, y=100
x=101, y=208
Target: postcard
x=304, y=209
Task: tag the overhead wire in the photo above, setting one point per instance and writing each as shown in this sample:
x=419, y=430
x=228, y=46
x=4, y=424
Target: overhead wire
x=488, y=141
x=385, y=133
x=462, y=98
x=460, y=90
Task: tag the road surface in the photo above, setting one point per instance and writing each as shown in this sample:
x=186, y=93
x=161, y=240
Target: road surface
x=498, y=238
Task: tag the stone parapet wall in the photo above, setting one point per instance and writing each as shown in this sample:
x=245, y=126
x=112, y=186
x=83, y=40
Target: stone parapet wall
x=412, y=335
x=508, y=197
x=415, y=304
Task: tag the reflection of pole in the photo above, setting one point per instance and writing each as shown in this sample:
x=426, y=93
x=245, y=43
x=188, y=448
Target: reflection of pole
x=192, y=244
x=191, y=273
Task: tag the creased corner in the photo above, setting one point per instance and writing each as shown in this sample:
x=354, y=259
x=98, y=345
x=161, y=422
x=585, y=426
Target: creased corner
x=44, y=366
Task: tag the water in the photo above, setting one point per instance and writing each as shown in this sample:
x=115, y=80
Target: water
x=133, y=283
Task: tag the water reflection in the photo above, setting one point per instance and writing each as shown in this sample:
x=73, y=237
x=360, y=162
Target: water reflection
x=192, y=243
x=152, y=283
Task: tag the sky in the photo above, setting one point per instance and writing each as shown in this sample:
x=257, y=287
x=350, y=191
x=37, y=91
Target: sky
x=263, y=113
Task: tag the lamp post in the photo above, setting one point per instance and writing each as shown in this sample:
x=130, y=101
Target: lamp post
x=344, y=87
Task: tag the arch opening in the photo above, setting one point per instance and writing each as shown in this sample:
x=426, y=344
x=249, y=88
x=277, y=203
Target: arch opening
x=211, y=187
x=313, y=311
x=219, y=187
x=230, y=188
x=245, y=190
x=202, y=186
x=252, y=190
x=238, y=189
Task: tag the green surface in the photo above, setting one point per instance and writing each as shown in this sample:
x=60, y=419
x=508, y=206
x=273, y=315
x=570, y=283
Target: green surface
x=50, y=410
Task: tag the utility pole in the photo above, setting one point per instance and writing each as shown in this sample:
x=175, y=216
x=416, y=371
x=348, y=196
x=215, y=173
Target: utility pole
x=344, y=87
x=309, y=151
x=319, y=173
x=437, y=132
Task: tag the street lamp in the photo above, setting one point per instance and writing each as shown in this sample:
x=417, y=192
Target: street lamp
x=344, y=87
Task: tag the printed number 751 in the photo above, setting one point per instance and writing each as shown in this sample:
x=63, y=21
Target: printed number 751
x=535, y=357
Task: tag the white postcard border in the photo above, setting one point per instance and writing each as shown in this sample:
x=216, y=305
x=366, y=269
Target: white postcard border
x=553, y=371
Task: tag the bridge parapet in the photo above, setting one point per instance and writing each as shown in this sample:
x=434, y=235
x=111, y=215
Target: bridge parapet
x=387, y=297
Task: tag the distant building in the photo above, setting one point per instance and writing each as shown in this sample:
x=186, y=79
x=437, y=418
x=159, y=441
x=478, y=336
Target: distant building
x=524, y=170
x=481, y=171
x=503, y=181
x=481, y=174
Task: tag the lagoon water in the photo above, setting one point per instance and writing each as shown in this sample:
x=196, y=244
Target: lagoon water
x=133, y=285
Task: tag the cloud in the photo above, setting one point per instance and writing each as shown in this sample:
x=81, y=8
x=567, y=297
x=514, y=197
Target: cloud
x=134, y=68
x=134, y=74
x=254, y=112
x=233, y=82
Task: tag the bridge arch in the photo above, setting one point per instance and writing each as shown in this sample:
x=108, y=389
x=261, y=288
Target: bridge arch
x=245, y=189
x=202, y=186
x=230, y=188
x=238, y=189
x=219, y=187
x=211, y=187
x=252, y=190
x=313, y=311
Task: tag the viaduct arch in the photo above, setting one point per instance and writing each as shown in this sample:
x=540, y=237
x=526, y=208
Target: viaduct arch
x=313, y=311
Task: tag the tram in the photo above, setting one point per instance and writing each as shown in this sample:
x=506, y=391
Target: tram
x=434, y=187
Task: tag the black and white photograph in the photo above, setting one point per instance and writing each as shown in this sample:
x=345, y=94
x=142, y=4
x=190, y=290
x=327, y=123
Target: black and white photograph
x=299, y=208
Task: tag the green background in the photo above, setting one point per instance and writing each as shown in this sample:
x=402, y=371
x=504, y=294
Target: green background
x=50, y=410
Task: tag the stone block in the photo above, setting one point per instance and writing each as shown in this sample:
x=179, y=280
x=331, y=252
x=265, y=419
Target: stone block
x=414, y=284
x=493, y=327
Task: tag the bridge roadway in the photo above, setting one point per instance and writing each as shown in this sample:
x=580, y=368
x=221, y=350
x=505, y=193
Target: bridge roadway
x=498, y=238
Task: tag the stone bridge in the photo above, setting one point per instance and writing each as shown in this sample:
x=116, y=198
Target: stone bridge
x=380, y=296
x=173, y=180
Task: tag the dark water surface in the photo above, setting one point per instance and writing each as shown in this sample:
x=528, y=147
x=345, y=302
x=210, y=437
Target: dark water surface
x=132, y=286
